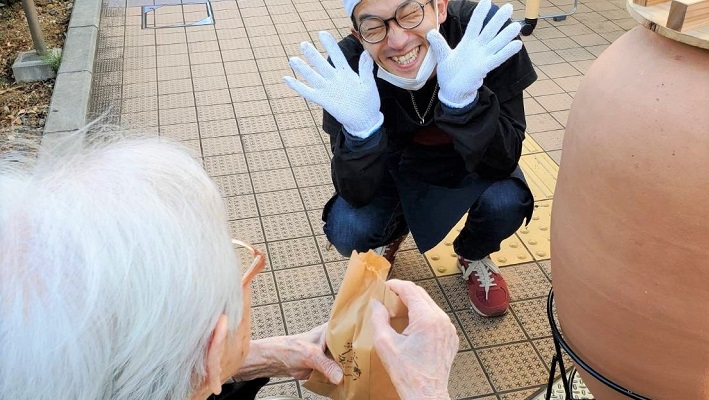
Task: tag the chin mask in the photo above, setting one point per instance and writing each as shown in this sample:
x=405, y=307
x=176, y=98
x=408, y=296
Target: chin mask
x=425, y=71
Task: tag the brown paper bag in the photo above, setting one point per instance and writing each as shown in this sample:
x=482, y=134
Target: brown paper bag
x=349, y=335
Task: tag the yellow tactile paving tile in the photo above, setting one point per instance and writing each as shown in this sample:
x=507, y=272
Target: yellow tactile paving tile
x=535, y=236
x=442, y=257
x=512, y=251
x=530, y=146
x=530, y=242
x=540, y=171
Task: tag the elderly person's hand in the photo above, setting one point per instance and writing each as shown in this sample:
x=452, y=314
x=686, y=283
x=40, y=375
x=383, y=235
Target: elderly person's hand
x=419, y=359
x=295, y=356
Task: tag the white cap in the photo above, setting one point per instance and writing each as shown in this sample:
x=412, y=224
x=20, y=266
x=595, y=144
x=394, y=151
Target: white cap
x=350, y=6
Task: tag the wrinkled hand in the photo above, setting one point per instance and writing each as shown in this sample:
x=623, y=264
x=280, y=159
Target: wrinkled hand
x=419, y=359
x=351, y=98
x=295, y=356
x=461, y=70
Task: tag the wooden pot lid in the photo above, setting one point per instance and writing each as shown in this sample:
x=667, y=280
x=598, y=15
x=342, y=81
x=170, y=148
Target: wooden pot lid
x=685, y=21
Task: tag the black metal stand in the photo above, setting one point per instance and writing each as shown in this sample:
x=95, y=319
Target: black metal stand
x=560, y=343
x=528, y=24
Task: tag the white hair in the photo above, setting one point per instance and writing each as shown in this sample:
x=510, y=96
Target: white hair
x=115, y=264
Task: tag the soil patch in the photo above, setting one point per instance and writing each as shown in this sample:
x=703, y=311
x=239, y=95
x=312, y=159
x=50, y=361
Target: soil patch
x=23, y=106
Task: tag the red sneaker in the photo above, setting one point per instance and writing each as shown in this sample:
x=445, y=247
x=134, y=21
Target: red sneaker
x=389, y=251
x=487, y=289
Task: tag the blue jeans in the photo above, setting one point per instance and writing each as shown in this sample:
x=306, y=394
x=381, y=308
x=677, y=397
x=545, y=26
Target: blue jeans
x=496, y=215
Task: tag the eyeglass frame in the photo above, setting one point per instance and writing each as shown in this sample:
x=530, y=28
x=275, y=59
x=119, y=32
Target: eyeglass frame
x=386, y=21
x=258, y=264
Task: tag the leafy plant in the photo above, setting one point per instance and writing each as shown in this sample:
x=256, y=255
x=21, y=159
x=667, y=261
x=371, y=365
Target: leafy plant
x=53, y=58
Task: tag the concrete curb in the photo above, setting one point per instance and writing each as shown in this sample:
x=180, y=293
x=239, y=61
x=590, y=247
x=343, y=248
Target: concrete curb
x=69, y=106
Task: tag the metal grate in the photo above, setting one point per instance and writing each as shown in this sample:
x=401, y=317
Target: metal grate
x=181, y=15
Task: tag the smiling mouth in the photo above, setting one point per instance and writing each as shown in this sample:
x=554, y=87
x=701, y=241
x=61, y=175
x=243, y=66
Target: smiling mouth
x=407, y=58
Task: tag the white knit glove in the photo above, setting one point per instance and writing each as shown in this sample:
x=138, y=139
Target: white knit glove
x=351, y=98
x=461, y=70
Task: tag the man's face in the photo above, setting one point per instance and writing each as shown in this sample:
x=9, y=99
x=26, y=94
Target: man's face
x=402, y=50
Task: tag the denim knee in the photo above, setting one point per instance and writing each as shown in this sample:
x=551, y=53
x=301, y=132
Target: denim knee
x=496, y=215
x=506, y=203
x=361, y=229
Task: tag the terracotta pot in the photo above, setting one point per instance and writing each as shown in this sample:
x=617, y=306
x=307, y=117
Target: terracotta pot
x=630, y=224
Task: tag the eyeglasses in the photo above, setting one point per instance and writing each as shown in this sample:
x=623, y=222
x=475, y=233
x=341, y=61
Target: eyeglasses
x=408, y=15
x=257, y=265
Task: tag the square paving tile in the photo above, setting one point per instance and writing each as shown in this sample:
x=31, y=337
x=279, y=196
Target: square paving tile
x=513, y=366
x=467, y=378
x=532, y=314
x=302, y=282
x=139, y=104
x=279, y=389
x=286, y=226
x=434, y=290
x=174, y=86
x=140, y=90
x=312, y=175
x=179, y=115
x=282, y=201
x=186, y=131
x=304, y=315
x=220, y=127
x=174, y=72
x=213, y=97
x=272, y=180
x=260, y=124
x=254, y=108
x=336, y=273
x=485, y=332
x=267, y=321
x=411, y=265
x=139, y=120
x=263, y=289
x=175, y=100
x=241, y=206
x=526, y=281
x=315, y=197
x=549, y=140
x=327, y=251
x=225, y=165
x=293, y=120
x=293, y=253
x=215, y=112
x=555, y=102
x=247, y=229
x=234, y=185
x=455, y=290
x=301, y=137
x=266, y=160
x=464, y=343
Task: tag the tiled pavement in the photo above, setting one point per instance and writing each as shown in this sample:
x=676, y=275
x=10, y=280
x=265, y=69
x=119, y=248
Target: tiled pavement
x=218, y=89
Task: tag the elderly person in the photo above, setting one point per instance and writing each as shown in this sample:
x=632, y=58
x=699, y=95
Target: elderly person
x=118, y=280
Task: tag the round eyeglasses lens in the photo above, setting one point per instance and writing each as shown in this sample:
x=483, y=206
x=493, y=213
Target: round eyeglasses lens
x=409, y=14
x=373, y=29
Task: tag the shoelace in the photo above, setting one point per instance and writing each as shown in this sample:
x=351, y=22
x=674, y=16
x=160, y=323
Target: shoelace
x=483, y=270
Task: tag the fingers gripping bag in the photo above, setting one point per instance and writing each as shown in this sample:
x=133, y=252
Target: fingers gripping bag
x=350, y=332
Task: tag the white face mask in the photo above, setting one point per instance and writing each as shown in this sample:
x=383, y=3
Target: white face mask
x=428, y=65
x=425, y=72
